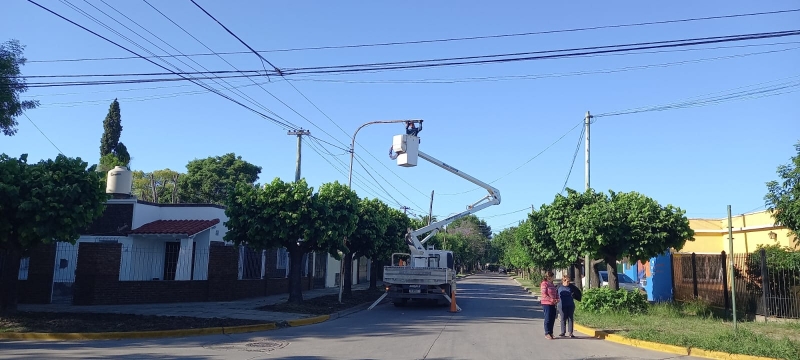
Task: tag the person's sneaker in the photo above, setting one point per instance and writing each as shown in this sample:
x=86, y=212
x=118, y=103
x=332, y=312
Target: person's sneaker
x=549, y=337
x=572, y=336
x=561, y=335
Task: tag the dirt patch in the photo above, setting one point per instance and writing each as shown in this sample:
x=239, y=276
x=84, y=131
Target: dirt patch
x=85, y=322
x=327, y=304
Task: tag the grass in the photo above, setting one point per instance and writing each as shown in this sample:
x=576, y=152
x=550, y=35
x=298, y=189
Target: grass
x=327, y=304
x=527, y=283
x=695, y=325
x=85, y=322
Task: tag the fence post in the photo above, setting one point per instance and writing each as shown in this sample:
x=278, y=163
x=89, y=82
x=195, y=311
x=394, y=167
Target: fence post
x=694, y=274
x=764, y=282
x=723, y=262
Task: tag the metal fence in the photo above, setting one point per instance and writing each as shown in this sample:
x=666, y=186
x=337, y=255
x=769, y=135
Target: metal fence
x=165, y=262
x=766, y=282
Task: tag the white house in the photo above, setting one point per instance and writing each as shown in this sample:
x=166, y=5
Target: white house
x=159, y=241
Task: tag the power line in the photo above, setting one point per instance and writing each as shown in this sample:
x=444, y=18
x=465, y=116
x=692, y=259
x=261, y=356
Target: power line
x=703, y=100
x=526, y=162
x=280, y=123
x=519, y=56
x=412, y=42
x=276, y=69
x=532, y=55
x=43, y=134
x=574, y=157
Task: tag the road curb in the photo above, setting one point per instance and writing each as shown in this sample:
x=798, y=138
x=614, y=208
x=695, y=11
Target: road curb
x=308, y=321
x=160, y=334
x=649, y=345
x=671, y=349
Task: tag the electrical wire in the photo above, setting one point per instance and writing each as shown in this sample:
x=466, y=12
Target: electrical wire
x=43, y=134
x=412, y=42
x=524, y=163
x=280, y=123
x=574, y=157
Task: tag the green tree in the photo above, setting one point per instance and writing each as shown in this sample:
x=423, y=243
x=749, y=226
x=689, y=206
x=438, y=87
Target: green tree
x=783, y=198
x=539, y=241
x=614, y=226
x=291, y=215
x=392, y=241
x=159, y=186
x=112, y=151
x=209, y=180
x=12, y=84
x=52, y=200
x=373, y=219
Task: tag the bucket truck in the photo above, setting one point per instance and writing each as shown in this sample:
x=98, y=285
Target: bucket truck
x=426, y=273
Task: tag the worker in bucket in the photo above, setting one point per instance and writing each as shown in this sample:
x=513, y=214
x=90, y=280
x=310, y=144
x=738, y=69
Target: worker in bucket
x=412, y=129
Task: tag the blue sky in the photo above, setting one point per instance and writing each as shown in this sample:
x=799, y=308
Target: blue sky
x=699, y=158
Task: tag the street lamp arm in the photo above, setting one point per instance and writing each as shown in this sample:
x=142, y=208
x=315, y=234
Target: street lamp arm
x=353, y=142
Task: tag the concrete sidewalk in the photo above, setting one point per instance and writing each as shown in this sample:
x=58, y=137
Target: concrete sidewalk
x=238, y=309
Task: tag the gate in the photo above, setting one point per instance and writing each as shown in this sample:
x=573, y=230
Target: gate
x=320, y=268
x=66, y=260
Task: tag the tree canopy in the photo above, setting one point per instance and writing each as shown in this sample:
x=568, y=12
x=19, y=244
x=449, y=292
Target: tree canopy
x=291, y=215
x=209, y=180
x=52, y=200
x=112, y=151
x=783, y=197
x=11, y=86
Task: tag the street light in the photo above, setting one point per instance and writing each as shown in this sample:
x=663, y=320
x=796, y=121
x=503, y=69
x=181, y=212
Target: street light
x=350, y=178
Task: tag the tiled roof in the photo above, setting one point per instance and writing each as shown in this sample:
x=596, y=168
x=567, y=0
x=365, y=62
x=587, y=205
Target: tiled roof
x=177, y=227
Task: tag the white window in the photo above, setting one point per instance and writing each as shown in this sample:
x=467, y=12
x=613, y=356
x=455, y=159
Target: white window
x=283, y=259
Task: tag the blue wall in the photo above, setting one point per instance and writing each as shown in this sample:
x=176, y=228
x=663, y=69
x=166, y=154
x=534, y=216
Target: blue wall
x=659, y=284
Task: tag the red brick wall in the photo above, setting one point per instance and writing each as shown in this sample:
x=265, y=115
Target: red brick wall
x=37, y=289
x=97, y=280
x=97, y=274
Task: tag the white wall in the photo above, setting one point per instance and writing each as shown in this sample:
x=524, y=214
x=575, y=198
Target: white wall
x=144, y=213
x=333, y=271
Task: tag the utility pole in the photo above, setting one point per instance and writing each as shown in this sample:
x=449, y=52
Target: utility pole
x=299, y=134
x=430, y=213
x=730, y=267
x=405, y=209
x=588, y=259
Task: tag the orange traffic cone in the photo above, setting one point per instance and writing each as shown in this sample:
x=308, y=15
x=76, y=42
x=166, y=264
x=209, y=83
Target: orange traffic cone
x=453, y=307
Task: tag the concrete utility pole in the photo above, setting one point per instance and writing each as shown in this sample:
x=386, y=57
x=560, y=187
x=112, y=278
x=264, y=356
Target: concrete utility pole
x=405, y=209
x=731, y=268
x=430, y=213
x=588, y=260
x=299, y=134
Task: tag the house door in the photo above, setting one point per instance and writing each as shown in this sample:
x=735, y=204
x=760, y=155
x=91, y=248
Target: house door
x=320, y=266
x=171, y=252
x=363, y=270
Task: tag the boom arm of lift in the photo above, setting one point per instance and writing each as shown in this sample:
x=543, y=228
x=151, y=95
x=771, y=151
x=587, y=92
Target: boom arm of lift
x=493, y=198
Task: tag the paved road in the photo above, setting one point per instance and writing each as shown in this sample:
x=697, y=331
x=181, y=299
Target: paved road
x=499, y=321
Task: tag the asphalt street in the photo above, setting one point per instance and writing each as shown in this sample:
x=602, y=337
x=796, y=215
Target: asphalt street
x=499, y=320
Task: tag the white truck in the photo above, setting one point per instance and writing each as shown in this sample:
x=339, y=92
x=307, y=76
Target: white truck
x=426, y=273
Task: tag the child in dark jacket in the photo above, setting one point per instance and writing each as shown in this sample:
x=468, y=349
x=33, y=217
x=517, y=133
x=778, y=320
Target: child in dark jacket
x=568, y=293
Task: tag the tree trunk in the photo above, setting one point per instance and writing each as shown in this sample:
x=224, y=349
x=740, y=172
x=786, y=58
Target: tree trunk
x=373, y=274
x=347, y=289
x=9, y=279
x=611, y=266
x=594, y=277
x=296, y=275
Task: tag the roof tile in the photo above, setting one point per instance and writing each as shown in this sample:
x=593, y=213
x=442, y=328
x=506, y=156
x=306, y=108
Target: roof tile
x=177, y=227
